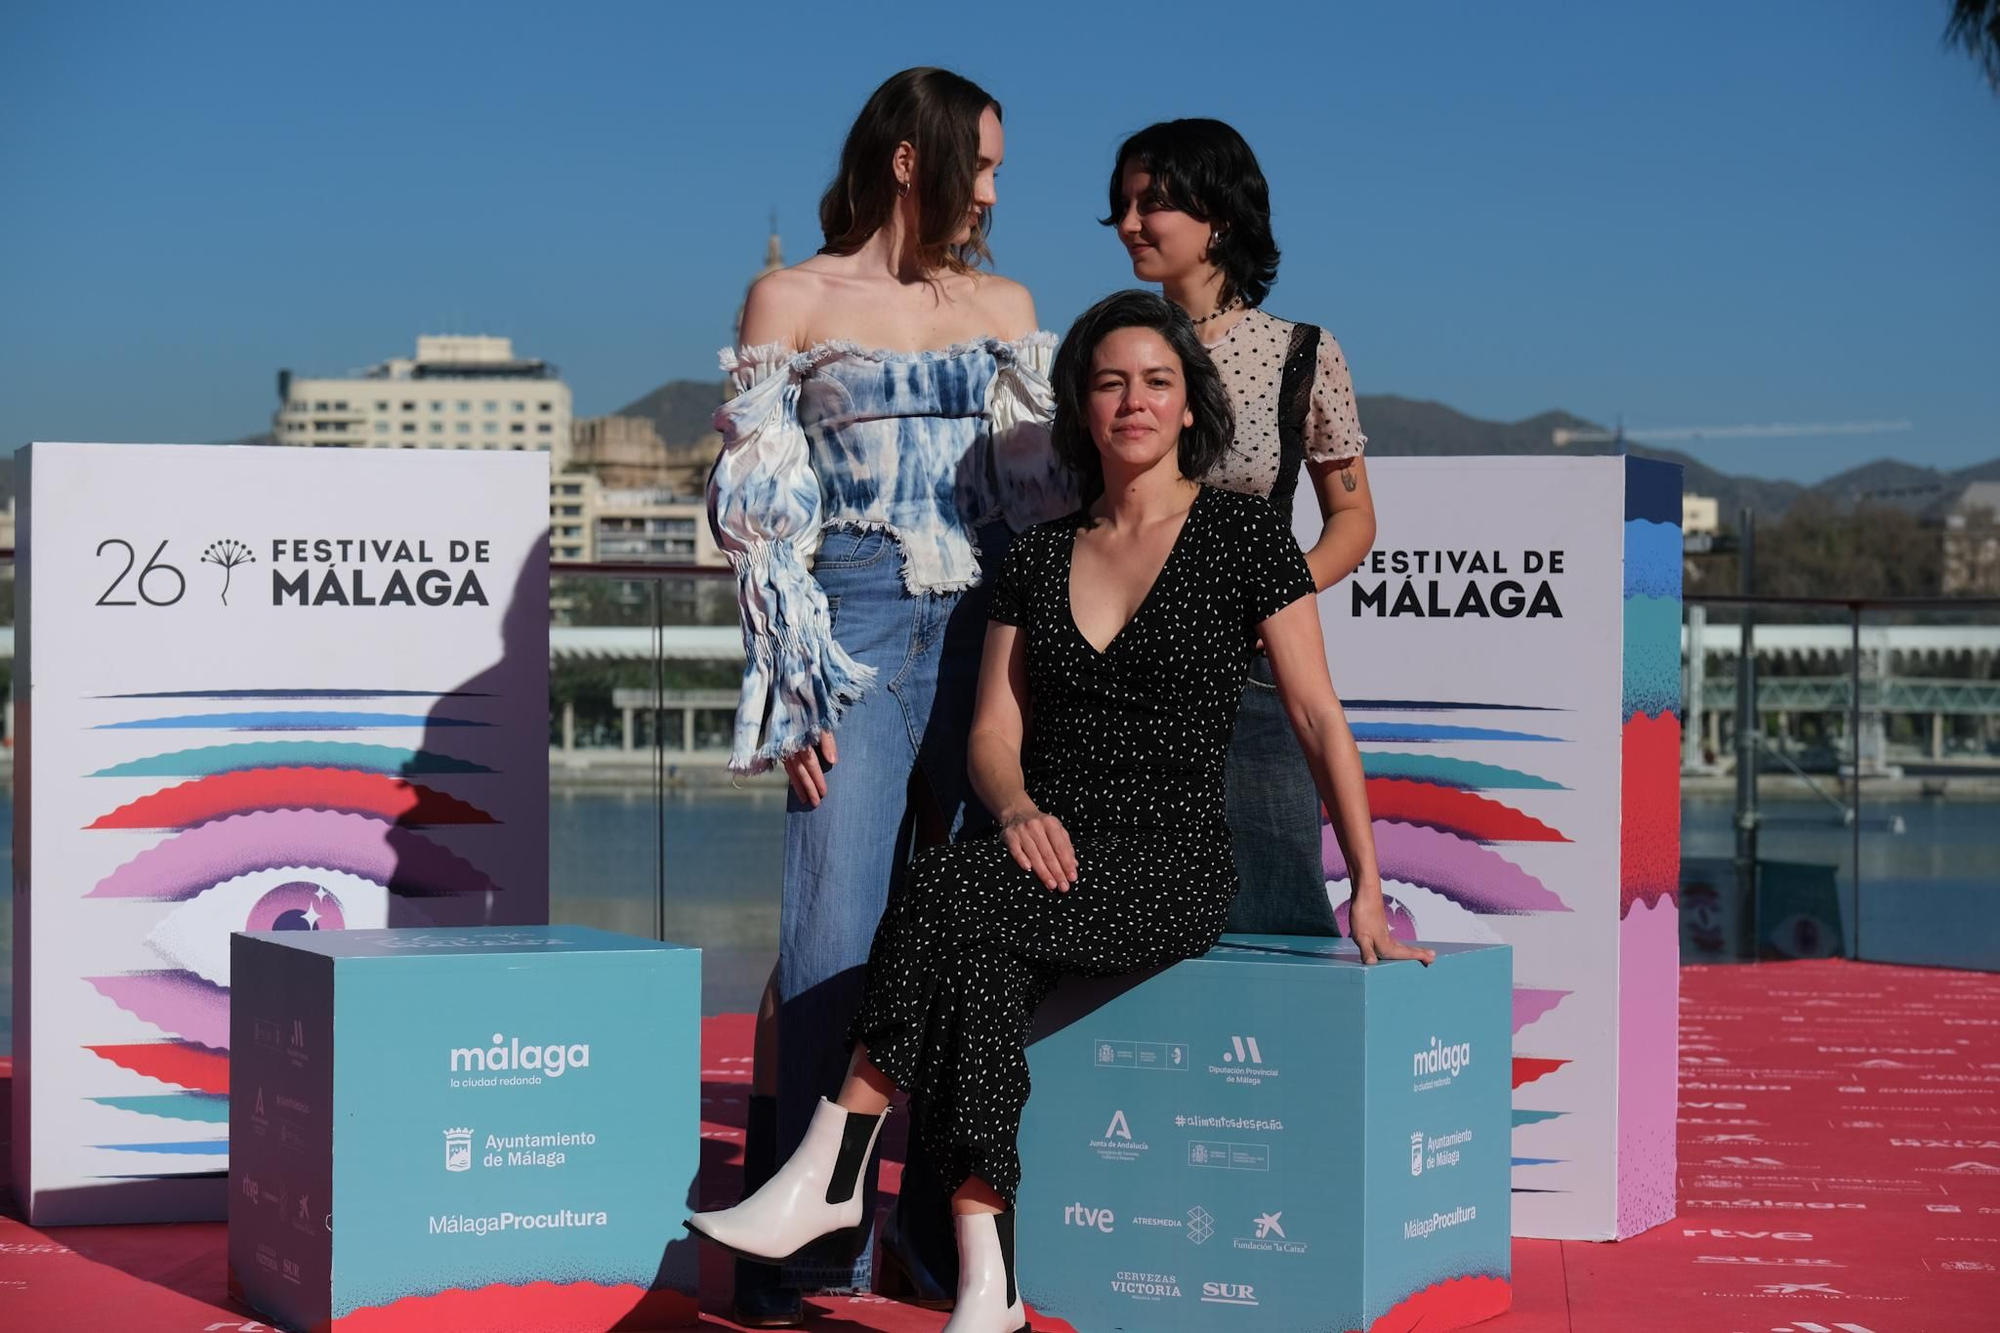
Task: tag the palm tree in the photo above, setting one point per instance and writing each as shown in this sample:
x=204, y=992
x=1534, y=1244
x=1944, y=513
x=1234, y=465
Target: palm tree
x=1975, y=25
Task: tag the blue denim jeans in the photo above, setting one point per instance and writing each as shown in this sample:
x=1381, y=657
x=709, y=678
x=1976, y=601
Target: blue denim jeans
x=842, y=858
x=1274, y=820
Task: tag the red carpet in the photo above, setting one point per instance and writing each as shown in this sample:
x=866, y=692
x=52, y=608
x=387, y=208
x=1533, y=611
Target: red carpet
x=1839, y=1173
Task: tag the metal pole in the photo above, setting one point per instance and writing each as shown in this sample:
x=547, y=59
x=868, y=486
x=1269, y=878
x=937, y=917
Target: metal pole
x=1746, y=733
x=1854, y=757
x=1697, y=683
x=659, y=768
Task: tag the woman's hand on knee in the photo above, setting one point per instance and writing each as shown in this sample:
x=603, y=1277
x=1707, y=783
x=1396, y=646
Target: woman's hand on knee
x=804, y=768
x=1040, y=845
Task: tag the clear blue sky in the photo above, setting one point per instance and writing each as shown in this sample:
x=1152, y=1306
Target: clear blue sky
x=1697, y=213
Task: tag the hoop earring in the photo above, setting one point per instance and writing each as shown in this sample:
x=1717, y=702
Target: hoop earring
x=902, y=189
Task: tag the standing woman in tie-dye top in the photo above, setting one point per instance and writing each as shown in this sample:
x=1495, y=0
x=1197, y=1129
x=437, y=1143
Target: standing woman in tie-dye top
x=888, y=436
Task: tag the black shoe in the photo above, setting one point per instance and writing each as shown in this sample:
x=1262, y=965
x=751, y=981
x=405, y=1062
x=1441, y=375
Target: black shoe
x=762, y=1300
x=901, y=1273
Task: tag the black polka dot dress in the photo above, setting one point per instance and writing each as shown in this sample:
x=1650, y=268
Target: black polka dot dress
x=1125, y=746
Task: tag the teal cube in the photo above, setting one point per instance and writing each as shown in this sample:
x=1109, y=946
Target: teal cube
x=1274, y=1137
x=492, y=1127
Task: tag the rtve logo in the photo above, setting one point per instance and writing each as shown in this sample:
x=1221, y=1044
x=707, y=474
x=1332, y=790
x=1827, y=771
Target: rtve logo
x=1094, y=1219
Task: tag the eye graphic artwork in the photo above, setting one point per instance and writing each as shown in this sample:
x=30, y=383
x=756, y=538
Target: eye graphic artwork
x=287, y=720
x=1475, y=877
x=242, y=756
x=283, y=831
x=1528, y=1068
x=1417, y=913
x=1419, y=732
x=177, y=1001
x=181, y=1063
x=210, y=1108
x=1531, y=1004
x=278, y=870
x=187, y=804
x=1451, y=810
x=1439, y=770
x=195, y=935
x=374, y=849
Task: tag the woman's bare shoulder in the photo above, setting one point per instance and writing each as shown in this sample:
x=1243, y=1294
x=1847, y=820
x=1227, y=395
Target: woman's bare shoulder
x=1005, y=304
x=782, y=304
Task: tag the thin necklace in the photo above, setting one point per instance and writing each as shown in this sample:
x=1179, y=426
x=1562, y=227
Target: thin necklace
x=1218, y=312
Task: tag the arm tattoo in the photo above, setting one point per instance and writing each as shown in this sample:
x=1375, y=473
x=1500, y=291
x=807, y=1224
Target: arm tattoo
x=1347, y=479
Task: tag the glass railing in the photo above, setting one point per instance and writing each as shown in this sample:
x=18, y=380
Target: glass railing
x=1872, y=830
x=650, y=835
x=648, y=831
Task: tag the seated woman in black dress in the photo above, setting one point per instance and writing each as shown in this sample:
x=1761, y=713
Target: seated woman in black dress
x=1112, y=671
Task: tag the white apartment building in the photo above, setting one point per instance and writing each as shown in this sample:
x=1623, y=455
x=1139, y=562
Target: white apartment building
x=1701, y=515
x=457, y=392
x=590, y=522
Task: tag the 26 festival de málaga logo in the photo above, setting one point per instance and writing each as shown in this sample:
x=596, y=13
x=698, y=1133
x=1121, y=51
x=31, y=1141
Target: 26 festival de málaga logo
x=363, y=571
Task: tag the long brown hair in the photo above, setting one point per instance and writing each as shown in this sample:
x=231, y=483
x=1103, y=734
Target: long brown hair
x=937, y=113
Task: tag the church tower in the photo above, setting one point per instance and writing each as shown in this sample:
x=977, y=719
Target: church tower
x=774, y=259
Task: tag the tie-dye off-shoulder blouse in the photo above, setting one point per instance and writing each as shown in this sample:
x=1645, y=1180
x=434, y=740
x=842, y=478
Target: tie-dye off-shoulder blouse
x=926, y=446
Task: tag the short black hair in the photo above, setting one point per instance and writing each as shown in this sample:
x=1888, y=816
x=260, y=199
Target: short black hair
x=1201, y=445
x=1204, y=168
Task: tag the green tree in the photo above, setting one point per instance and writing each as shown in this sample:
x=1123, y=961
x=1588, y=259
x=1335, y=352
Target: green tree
x=1975, y=26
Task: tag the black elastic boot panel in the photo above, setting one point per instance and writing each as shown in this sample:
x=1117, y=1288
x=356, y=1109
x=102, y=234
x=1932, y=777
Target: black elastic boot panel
x=855, y=1136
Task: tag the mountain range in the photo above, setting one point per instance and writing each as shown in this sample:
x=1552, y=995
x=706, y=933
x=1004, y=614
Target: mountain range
x=1397, y=427
x=1400, y=427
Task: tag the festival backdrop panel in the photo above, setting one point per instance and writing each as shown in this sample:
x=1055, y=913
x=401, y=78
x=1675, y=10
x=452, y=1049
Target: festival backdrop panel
x=1508, y=654
x=257, y=688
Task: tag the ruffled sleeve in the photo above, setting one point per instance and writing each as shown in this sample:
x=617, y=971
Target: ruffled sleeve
x=764, y=510
x=1333, y=428
x=1032, y=485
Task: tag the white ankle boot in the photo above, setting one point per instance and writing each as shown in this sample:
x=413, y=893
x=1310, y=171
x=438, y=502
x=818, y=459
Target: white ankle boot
x=989, y=1299
x=814, y=1194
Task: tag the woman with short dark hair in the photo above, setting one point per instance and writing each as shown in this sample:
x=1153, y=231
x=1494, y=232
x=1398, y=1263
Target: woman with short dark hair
x=887, y=437
x=1114, y=661
x=1190, y=204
